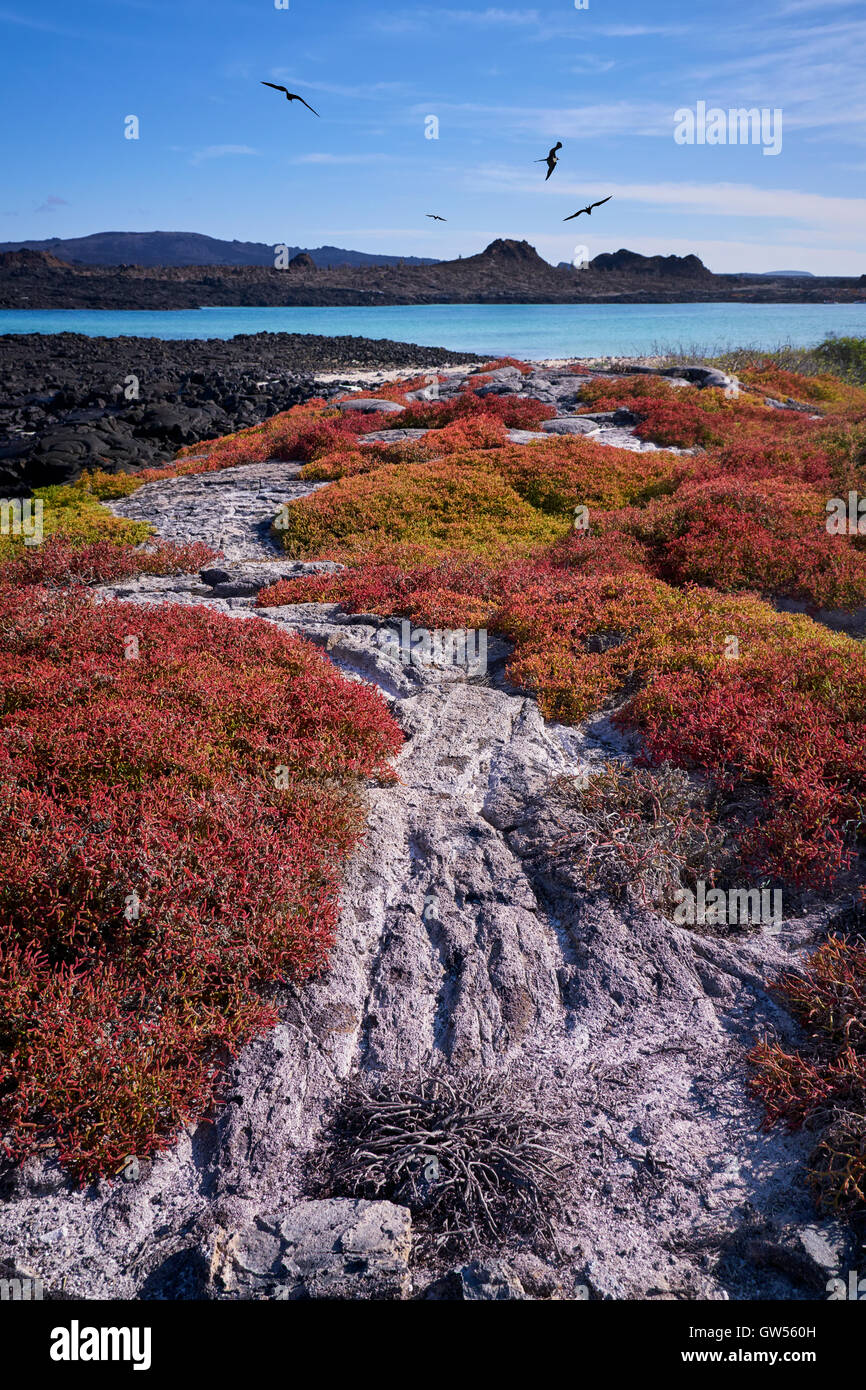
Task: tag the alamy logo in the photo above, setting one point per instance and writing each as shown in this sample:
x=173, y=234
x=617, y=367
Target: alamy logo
x=737, y=126
x=21, y=1290
x=846, y=519
x=854, y=1291
x=462, y=647
x=731, y=907
x=76, y=1343
x=22, y=517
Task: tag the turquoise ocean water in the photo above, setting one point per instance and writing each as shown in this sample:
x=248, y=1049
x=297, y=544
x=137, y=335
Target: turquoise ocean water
x=518, y=330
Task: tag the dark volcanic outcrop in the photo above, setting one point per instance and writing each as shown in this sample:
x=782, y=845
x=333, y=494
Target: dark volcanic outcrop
x=69, y=402
x=666, y=267
x=26, y=260
x=506, y=272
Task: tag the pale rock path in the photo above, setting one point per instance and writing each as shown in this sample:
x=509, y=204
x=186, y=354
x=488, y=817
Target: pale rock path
x=231, y=509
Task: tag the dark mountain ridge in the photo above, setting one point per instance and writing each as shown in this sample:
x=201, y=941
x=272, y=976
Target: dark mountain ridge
x=506, y=272
x=191, y=248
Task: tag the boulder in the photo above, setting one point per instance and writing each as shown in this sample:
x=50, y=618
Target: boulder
x=524, y=436
x=621, y=416
x=506, y=387
x=701, y=376
x=490, y=1281
x=570, y=424
x=243, y=580
x=335, y=1248
x=368, y=405
x=391, y=436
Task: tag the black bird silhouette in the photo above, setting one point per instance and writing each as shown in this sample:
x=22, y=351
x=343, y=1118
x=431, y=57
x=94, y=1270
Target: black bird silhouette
x=589, y=209
x=291, y=96
x=550, y=160
x=436, y=217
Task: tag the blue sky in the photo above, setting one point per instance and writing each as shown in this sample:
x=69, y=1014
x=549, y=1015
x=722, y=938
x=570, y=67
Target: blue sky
x=220, y=154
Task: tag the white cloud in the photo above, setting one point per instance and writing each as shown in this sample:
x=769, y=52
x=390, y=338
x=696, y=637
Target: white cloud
x=367, y=91
x=724, y=257
x=815, y=73
x=51, y=204
x=8, y=17
x=801, y=6
x=378, y=232
x=415, y=21
x=639, y=31
x=339, y=158
x=589, y=63
x=220, y=152
x=820, y=211
x=587, y=122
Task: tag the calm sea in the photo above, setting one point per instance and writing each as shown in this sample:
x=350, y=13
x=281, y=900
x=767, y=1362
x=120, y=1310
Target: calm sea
x=517, y=330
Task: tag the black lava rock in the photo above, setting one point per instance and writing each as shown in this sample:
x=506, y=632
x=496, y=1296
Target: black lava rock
x=69, y=403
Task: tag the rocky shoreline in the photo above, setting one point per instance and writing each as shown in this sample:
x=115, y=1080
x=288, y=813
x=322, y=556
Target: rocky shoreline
x=505, y=272
x=69, y=402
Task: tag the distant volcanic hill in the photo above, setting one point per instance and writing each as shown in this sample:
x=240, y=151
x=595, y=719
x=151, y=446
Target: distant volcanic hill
x=665, y=267
x=27, y=260
x=506, y=253
x=191, y=248
x=505, y=272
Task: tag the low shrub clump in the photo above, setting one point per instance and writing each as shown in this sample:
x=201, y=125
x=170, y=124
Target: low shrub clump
x=823, y=1084
x=523, y=367
x=178, y=791
x=821, y=391
x=512, y=411
x=555, y=475
x=561, y=474
x=301, y=433
x=439, y=504
x=638, y=832
x=843, y=357
x=74, y=512
x=689, y=417
x=60, y=561
x=734, y=533
x=816, y=374
x=475, y=1157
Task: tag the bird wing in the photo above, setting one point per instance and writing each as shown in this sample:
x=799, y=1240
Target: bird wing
x=572, y=217
x=601, y=200
x=275, y=87
x=295, y=97
x=550, y=168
